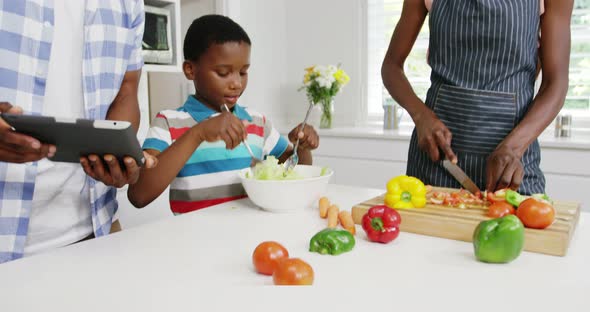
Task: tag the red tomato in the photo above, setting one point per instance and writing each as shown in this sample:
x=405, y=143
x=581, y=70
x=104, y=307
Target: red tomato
x=535, y=214
x=293, y=271
x=500, y=209
x=267, y=255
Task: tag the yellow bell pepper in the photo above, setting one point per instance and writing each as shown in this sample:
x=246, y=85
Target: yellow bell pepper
x=405, y=192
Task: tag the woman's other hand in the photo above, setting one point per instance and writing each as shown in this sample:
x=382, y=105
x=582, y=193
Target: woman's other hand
x=504, y=169
x=434, y=136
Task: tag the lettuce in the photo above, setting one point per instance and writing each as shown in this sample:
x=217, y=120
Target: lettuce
x=270, y=169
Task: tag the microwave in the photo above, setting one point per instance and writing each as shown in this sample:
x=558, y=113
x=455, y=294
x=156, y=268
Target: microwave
x=157, y=45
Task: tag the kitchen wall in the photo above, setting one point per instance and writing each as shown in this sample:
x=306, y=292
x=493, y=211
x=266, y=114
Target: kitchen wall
x=325, y=32
x=287, y=36
x=264, y=21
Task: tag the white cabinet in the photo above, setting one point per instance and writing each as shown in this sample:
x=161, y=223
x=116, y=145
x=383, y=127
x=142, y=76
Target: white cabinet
x=567, y=173
x=362, y=161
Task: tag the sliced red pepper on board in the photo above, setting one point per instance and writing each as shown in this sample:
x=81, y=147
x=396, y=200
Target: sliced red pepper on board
x=452, y=200
x=478, y=195
x=497, y=196
x=460, y=198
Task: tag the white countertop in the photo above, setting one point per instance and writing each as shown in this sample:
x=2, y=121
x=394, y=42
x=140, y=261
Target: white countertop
x=183, y=261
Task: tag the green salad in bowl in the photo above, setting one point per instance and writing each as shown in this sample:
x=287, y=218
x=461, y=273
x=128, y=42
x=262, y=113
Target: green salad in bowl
x=270, y=169
x=268, y=185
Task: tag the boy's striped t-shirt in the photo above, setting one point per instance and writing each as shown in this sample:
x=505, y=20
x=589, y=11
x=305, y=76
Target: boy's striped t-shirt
x=210, y=176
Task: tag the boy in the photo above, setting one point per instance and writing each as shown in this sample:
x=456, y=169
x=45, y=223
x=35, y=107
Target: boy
x=199, y=145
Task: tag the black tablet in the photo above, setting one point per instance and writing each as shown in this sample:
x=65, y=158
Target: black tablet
x=74, y=138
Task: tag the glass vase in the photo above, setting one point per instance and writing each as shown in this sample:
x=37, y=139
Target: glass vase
x=327, y=113
x=315, y=116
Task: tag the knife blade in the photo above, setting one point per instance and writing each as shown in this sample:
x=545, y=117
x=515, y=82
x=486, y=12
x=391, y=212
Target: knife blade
x=460, y=176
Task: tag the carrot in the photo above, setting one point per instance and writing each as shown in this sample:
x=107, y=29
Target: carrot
x=333, y=216
x=346, y=220
x=324, y=205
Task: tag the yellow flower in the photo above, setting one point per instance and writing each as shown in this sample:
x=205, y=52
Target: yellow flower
x=341, y=77
x=308, y=74
x=323, y=82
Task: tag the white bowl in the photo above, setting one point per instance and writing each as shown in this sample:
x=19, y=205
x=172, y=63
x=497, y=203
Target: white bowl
x=288, y=195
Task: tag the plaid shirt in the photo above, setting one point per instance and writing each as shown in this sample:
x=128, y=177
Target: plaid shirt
x=113, y=31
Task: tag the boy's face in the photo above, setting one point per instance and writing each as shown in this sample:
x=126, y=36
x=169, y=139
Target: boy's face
x=221, y=74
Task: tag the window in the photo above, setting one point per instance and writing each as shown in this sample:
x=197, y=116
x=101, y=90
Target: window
x=382, y=17
x=578, y=96
x=381, y=20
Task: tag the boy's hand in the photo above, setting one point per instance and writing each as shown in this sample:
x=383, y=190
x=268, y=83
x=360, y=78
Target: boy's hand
x=19, y=148
x=225, y=127
x=109, y=170
x=308, y=138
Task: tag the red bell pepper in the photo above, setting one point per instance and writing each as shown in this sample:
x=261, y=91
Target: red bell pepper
x=381, y=224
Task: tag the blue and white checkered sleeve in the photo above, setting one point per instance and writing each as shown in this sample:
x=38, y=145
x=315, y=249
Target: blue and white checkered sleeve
x=135, y=58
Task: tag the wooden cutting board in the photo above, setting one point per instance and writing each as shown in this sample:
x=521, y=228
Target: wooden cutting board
x=459, y=224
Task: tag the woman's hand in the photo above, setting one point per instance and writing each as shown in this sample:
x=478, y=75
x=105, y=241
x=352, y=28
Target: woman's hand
x=434, y=136
x=504, y=169
x=308, y=138
x=226, y=127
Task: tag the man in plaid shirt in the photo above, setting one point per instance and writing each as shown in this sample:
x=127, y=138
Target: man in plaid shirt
x=64, y=58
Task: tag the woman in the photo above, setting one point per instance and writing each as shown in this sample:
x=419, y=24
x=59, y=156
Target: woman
x=480, y=110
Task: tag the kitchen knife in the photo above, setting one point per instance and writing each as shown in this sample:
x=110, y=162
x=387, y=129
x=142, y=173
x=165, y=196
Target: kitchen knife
x=460, y=175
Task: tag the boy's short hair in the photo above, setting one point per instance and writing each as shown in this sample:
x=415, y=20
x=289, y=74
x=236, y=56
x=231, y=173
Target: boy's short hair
x=211, y=29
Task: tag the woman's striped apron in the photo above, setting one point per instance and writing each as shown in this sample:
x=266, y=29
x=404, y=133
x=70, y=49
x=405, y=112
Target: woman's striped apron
x=483, y=55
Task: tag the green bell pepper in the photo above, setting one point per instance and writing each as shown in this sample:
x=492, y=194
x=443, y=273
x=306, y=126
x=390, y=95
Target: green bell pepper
x=332, y=242
x=514, y=198
x=499, y=240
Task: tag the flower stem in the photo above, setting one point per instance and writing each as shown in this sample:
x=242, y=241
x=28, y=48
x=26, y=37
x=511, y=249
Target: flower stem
x=326, y=121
